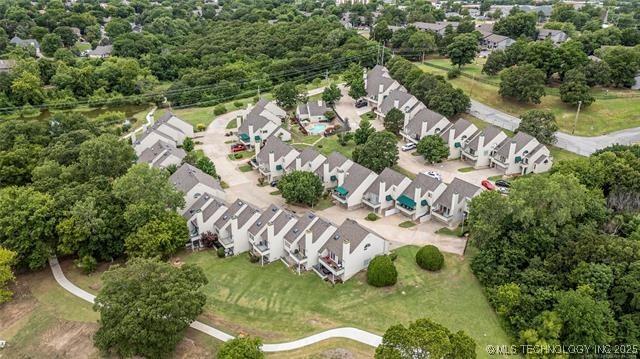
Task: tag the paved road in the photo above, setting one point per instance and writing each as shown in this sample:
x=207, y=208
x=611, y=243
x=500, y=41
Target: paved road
x=576, y=144
x=347, y=333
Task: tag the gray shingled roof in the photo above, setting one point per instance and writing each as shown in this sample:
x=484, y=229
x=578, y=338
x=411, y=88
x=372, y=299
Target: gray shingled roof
x=281, y=221
x=400, y=95
x=389, y=177
x=354, y=177
x=461, y=187
x=521, y=139
x=25, y=42
x=212, y=208
x=434, y=26
x=490, y=132
x=414, y=126
x=424, y=182
x=187, y=176
x=495, y=38
x=379, y=75
x=335, y=159
x=307, y=155
x=460, y=126
x=318, y=228
x=246, y=214
x=350, y=231
x=275, y=145
x=197, y=205
x=101, y=50
x=159, y=122
x=301, y=225
x=266, y=216
x=151, y=153
x=230, y=212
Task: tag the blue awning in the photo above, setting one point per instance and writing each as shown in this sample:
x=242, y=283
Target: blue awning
x=333, y=178
x=341, y=191
x=457, y=145
x=518, y=159
x=279, y=167
x=424, y=202
x=244, y=137
x=407, y=202
x=388, y=198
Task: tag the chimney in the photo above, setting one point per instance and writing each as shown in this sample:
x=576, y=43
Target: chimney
x=480, y=142
x=346, y=246
x=452, y=137
x=298, y=163
x=454, y=199
x=424, y=127
x=340, y=176
x=320, y=103
x=380, y=90
x=272, y=160
x=417, y=194
x=234, y=225
x=308, y=238
x=239, y=120
x=251, y=136
x=396, y=103
x=383, y=190
x=270, y=231
x=325, y=172
x=512, y=151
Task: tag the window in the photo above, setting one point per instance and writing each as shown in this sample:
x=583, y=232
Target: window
x=367, y=246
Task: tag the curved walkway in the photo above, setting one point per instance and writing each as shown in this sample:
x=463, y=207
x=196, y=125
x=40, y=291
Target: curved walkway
x=347, y=333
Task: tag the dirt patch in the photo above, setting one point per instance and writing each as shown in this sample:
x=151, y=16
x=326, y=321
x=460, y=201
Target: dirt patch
x=70, y=340
x=19, y=307
x=236, y=329
x=337, y=353
x=189, y=348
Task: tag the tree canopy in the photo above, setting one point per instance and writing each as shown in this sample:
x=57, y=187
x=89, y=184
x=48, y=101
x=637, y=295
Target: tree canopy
x=301, y=187
x=379, y=152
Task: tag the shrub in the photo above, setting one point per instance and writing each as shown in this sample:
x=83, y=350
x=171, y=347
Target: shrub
x=253, y=258
x=220, y=252
x=237, y=156
x=219, y=110
x=453, y=73
x=330, y=115
x=238, y=104
x=87, y=264
x=372, y=217
x=382, y=272
x=201, y=127
x=393, y=256
x=430, y=258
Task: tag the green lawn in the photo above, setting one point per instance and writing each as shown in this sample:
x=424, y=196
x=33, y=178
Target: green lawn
x=240, y=155
x=330, y=144
x=407, y=224
x=603, y=116
x=405, y=172
x=466, y=169
x=323, y=204
x=276, y=304
x=232, y=124
x=456, y=232
x=245, y=168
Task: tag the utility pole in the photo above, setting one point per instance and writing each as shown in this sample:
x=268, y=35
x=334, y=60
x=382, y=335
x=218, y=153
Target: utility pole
x=575, y=122
x=326, y=75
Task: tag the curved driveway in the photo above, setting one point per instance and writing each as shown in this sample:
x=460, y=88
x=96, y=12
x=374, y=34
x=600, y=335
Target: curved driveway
x=347, y=333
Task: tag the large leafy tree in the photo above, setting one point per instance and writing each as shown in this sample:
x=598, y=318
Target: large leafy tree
x=394, y=121
x=286, y=95
x=363, y=132
x=301, y=187
x=331, y=94
x=27, y=225
x=433, y=148
x=160, y=237
x=425, y=339
x=379, y=152
x=496, y=61
x=463, y=49
x=245, y=347
x=540, y=124
x=106, y=156
x=356, y=88
x=574, y=89
x=624, y=64
x=524, y=83
x=381, y=31
x=7, y=259
x=585, y=319
x=516, y=25
x=146, y=306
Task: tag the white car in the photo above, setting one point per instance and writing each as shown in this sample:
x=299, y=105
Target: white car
x=433, y=174
x=408, y=146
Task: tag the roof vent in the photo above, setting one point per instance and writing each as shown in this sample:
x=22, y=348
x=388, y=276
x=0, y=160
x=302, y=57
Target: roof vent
x=274, y=209
x=295, y=230
x=240, y=203
x=336, y=237
x=225, y=217
x=258, y=224
x=311, y=215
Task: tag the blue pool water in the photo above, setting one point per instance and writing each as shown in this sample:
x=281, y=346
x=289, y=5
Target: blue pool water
x=317, y=128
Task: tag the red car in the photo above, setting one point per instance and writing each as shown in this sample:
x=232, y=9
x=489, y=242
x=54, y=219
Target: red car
x=488, y=185
x=238, y=147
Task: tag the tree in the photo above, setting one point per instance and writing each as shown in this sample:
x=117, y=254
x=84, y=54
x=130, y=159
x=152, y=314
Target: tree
x=463, y=49
x=7, y=259
x=425, y=339
x=117, y=27
x=597, y=73
x=146, y=306
x=623, y=63
x=331, y=94
x=27, y=225
x=245, y=347
x=394, y=121
x=574, y=89
x=516, y=25
x=525, y=83
x=363, y=132
x=422, y=41
x=188, y=144
x=356, y=88
x=301, y=187
x=433, y=148
x=585, y=320
x=67, y=35
x=381, y=31
x=381, y=272
x=286, y=95
x=430, y=258
x=206, y=165
x=105, y=156
x=379, y=152
x=496, y=61
x=351, y=74
x=50, y=43
x=161, y=237
x=540, y=124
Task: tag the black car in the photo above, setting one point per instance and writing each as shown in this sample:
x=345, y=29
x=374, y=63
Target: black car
x=361, y=103
x=503, y=183
x=273, y=183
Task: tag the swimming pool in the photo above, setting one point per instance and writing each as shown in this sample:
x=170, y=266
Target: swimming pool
x=317, y=129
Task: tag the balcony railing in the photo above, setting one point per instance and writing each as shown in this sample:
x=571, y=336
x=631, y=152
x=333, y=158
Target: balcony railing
x=339, y=198
x=298, y=257
x=226, y=241
x=405, y=209
x=335, y=267
x=262, y=248
x=441, y=214
x=372, y=203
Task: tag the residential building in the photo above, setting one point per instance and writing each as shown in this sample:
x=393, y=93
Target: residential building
x=477, y=148
x=273, y=158
x=451, y=207
x=232, y=227
x=439, y=27
x=378, y=83
x=293, y=256
x=266, y=235
x=162, y=154
x=424, y=123
x=100, y=52
x=7, y=65
x=521, y=154
x=328, y=171
x=168, y=128
x=485, y=29
x=260, y=122
x=348, y=251
x=194, y=183
x=456, y=134
x=493, y=42
x=200, y=217
x=26, y=43
x=352, y=184
x=303, y=252
x=382, y=193
x=556, y=36
x=417, y=199
x=403, y=101
x=341, y=2
x=312, y=111
x=308, y=160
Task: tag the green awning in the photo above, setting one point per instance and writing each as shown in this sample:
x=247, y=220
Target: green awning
x=278, y=167
x=457, y=145
x=407, y=202
x=256, y=137
x=388, y=198
x=341, y=191
x=244, y=137
x=424, y=202
x=333, y=178
x=518, y=159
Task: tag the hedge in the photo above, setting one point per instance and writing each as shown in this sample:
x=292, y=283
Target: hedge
x=430, y=258
x=382, y=272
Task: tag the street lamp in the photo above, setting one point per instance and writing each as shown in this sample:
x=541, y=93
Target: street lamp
x=575, y=122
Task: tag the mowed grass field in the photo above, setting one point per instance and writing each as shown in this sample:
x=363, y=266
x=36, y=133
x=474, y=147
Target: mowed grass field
x=603, y=116
x=274, y=303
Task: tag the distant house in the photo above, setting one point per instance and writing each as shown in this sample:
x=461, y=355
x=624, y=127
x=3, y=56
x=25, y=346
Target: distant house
x=308, y=160
x=477, y=148
x=168, y=128
x=304, y=240
x=312, y=111
x=352, y=184
x=76, y=31
x=328, y=171
x=348, y=251
x=521, y=154
x=194, y=183
x=162, y=154
x=100, y=52
x=402, y=100
x=451, y=207
x=378, y=84
x=382, y=193
x=493, y=42
x=232, y=227
x=424, y=123
x=7, y=65
x=261, y=121
x=26, y=43
x=438, y=27
x=272, y=159
x=201, y=216
x=266, y=235
x=556, y=36
x=456, y=134
x=417, y=199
